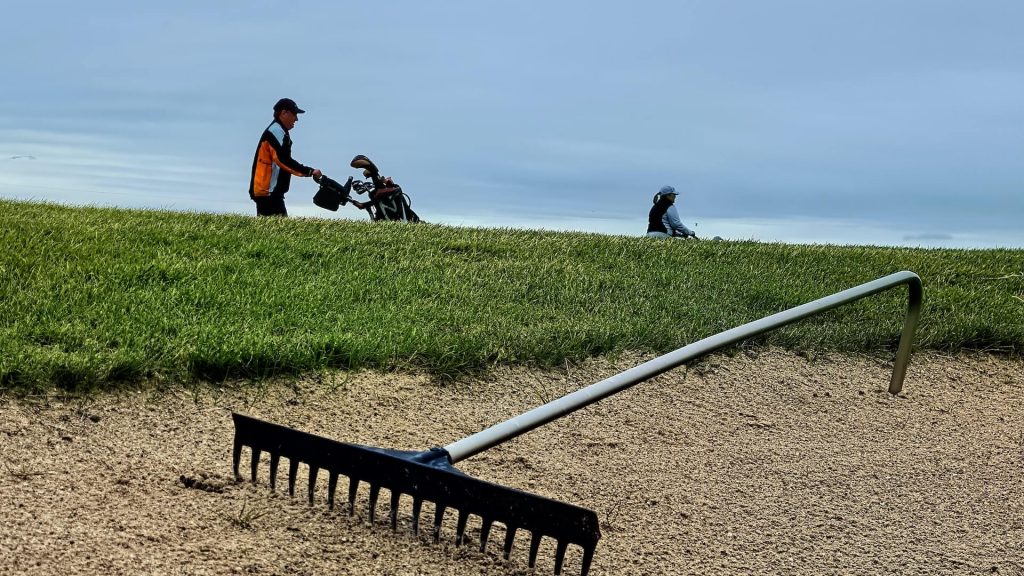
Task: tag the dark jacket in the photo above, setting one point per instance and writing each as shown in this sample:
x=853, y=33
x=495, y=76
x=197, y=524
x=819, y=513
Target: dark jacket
x=273, y=165
x=655, y=221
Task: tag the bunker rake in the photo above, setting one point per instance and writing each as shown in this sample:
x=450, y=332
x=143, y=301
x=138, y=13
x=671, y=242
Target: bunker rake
x=431, y=476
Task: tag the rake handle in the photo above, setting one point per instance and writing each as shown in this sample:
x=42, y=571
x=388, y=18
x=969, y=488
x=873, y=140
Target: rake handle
x=490, y=437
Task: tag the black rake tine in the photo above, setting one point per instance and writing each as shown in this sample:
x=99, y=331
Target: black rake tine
x=560, y=556
x=332, y=485
x=534, y=547
x=275, y=459
x=588, y=557
x=293, y=470
x=510, y=537
x=255, y=463
x=438, y=516
x=353, y=487
x=460, y=528
x=374, y=493
x=312, y=482
x=417, y=505
x=395, y=496
x=485, y=531
x=236, y=456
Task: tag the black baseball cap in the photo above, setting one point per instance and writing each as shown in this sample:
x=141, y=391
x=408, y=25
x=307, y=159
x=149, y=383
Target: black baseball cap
x=289, y=105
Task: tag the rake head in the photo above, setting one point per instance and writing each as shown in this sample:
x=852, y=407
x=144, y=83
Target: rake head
x=426, y=476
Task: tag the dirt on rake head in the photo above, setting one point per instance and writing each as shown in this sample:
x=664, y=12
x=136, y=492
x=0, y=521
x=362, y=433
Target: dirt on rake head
x=426, y=476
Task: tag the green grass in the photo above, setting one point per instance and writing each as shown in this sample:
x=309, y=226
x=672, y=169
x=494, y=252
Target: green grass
x=102, y=298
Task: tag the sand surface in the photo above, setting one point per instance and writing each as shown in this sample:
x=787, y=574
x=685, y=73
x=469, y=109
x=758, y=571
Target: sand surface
x=763, y=463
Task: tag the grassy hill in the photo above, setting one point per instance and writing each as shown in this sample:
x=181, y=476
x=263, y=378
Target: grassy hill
x=101, y=298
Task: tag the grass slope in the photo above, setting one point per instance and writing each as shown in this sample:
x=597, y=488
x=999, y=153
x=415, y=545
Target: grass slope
x=104, y=298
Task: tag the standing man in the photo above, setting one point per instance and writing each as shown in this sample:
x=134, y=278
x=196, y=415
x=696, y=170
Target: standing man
x=663, y=220
x=273, y=165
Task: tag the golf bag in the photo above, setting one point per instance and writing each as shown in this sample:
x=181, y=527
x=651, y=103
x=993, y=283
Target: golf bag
x=387, y=201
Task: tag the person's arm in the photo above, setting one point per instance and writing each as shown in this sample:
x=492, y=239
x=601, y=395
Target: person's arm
x=282, y=157
x=675, y=225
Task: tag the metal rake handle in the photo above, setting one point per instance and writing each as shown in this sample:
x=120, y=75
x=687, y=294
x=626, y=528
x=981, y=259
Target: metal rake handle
x=462, y=449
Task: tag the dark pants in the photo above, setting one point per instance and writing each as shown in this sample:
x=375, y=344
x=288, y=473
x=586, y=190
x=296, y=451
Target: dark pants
x=270, y=206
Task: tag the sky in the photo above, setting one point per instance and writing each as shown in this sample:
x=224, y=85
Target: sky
x=871, y=122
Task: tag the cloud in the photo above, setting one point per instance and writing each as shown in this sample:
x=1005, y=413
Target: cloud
x=87, y=169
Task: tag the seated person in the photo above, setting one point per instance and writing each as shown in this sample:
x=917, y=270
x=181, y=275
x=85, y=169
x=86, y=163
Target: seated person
x=663, y=220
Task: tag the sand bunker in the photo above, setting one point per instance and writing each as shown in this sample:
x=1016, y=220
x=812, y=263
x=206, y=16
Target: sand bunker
x=766, y=462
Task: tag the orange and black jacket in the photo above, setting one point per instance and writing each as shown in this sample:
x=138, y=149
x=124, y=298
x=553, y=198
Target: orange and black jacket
x=273, y=165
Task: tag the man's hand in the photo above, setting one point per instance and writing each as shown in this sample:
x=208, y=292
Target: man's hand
x=317, y=173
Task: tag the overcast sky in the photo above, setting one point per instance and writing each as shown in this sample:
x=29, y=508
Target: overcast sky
x=868, y=122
